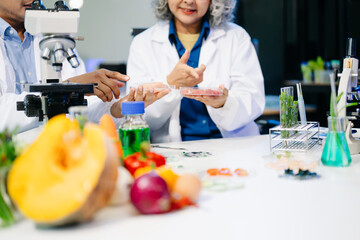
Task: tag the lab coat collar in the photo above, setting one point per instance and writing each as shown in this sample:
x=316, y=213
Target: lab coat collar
x=209, y=46
x=216, y=32
x=161, y=31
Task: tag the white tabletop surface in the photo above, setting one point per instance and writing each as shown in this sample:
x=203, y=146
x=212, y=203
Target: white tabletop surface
x=266, y=207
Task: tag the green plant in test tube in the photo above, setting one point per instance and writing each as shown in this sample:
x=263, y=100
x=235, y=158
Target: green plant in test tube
x=288, y=110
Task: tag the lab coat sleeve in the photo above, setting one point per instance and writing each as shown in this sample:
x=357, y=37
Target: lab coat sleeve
x=10, y=117
x=246, y=99
x=140, y=59
x=159, y=113
x=97, y=108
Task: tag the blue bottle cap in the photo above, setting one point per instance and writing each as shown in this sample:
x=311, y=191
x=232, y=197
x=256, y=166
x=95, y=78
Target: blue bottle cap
x=132, y=108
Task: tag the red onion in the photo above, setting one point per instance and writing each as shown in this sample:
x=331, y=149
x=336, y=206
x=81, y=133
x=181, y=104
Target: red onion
x=150, y=194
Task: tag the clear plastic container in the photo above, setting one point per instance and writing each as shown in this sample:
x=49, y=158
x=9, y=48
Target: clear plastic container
x=295, y=165
x=199, y=91
x=134, y=129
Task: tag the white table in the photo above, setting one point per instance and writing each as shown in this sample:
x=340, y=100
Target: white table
x=267, y=207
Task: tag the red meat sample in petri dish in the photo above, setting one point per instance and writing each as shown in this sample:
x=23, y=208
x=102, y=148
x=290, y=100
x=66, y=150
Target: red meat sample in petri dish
x=197, y=91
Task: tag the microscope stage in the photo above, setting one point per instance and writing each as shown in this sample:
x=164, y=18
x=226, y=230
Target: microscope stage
x=61, y=88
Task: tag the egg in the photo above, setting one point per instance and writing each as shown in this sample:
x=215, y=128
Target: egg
x=187, y=186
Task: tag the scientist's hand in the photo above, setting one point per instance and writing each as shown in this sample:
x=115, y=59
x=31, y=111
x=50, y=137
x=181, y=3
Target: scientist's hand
x=213, y=101
x=151, y=92
x=185, y=76
x=108, y=83
x=148, y=93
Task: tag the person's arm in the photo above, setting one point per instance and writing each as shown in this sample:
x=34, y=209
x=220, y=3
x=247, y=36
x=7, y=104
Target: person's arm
x=246, y=98
x=139, y=62
x=108, y=83
x=146, y=93
x=97, y=108
x=183, y=75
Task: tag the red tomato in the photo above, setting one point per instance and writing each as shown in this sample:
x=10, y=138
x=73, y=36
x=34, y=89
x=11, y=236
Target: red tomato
x=136, y=160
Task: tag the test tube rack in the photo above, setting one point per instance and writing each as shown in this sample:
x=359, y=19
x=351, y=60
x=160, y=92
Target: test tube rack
x=301, y=137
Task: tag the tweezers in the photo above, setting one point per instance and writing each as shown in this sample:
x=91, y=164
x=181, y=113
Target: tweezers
x=165, y=147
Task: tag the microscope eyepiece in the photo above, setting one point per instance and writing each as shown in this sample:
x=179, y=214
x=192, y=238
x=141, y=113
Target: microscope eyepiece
x=37, y=5
x=61, y=6
x=351, y=47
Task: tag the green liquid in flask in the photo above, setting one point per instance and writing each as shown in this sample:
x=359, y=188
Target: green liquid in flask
x=336, y=151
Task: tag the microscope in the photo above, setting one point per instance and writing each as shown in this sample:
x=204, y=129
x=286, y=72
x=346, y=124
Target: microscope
x=56, y=28
x=348, y=84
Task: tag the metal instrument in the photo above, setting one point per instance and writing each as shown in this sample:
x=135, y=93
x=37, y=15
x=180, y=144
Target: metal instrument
x=349, y=82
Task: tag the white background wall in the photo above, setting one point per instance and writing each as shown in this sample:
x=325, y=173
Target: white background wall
x=106, y=26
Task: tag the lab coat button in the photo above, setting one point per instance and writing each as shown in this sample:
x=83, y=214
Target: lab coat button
x=11, y=31
x=29, y=73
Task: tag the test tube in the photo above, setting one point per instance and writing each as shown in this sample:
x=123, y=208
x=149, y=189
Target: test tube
x=288, y=110
x=286, y=99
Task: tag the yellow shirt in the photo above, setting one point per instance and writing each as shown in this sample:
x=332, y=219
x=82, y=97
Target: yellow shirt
x=188, y=40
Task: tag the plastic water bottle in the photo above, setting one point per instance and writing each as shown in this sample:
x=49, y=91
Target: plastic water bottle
x=134, y=129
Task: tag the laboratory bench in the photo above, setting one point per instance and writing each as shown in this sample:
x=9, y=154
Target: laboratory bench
x=263, y=205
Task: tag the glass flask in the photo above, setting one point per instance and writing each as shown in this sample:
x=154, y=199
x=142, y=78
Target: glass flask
x=336, y=150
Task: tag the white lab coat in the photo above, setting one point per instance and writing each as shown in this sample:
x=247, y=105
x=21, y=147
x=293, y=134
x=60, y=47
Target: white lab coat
x=230, y=59
x=10, y=117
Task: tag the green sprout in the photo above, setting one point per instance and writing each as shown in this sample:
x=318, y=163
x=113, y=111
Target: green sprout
x=8, y=153
x=289, y=113
x=334, y=115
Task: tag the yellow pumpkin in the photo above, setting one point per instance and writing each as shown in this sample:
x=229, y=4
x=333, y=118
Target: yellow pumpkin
x=66, y=175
